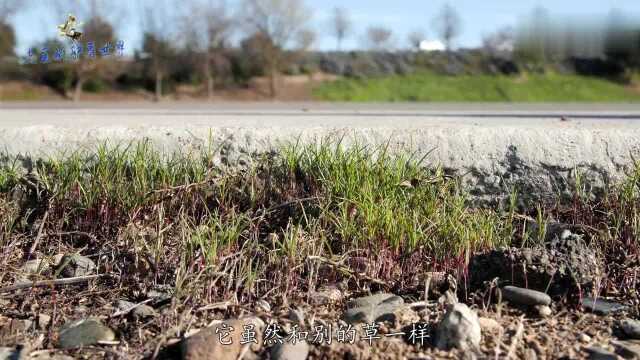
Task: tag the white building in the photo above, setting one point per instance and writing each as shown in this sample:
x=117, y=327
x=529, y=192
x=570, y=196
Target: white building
x=431, y=45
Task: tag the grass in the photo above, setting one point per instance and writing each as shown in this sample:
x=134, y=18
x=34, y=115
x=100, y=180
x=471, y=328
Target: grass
x=215, y=232
x=428, y=87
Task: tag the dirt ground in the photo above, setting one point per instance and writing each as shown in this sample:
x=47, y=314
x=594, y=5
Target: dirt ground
x=291, y=88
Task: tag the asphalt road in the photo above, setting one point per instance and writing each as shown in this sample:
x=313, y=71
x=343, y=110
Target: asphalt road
x=304, y=115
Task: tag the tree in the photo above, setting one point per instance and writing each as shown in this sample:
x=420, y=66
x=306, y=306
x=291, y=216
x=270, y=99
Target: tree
x=500, y=43
x=7, y=35
x=340, y=25
x=533, y=39
x=379, y=37
x=415, y=38
x=156, y=44
x=207, y=28
x=277, y=24
x=98, y=29
x=448, y=25
x=8, y=8
x=622, y=40
x=7, y=40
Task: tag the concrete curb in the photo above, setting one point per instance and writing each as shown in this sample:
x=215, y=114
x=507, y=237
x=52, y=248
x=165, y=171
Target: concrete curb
x=540, y=157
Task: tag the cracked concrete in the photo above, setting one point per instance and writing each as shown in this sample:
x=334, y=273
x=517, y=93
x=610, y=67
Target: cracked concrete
x=537, y=154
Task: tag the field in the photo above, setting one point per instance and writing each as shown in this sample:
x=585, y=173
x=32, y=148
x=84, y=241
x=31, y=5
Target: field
x=196, y=241
x=428, y=87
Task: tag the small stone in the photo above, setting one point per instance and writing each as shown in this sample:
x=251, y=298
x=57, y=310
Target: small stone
x=48, y=356
x=628, y=349
x=601, y=306
x=84, y=332
x=329, y=295
x=489, y=324
x=124, y=305
x=144, y=311
x=597, y=353
x=376, y=299
x=37, y=266
x=374, y=308
x=584, y=338
x=76, y=265
x=158, y=296
x=290, y=351
x=263, y=305
x=530, y=354
x=208, y=343
x=297, y=316
x=459, y=329
x=522, y=296
x=544, y=311
x=630, y=328
x=141, y=311
x=7, y=353
x=43, y=321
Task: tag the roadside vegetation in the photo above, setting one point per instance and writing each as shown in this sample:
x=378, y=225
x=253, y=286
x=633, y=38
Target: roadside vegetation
x=279, y=227
x=431, y=87
x=305, y=206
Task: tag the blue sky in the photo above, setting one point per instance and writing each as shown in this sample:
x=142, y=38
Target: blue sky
x=479, y=17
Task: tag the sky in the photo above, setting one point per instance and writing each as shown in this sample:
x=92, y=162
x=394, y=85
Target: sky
x=479, y=18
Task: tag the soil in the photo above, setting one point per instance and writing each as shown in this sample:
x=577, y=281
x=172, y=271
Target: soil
x=291, y=88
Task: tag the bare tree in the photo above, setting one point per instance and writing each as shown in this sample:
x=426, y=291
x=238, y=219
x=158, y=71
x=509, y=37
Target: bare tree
x=379, y=37
x=501, y=43
x=340, y=25
x=158, y=32
x=278, y=25
x=206, y=29
x=448, y=25
x=9, y=7
x=415, y=38
x=97, y=28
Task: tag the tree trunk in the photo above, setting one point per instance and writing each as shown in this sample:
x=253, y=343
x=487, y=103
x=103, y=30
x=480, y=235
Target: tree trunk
x=78, y=90
x=273, y=80
x=158, y=96
x=210, y=84
x=208, y=75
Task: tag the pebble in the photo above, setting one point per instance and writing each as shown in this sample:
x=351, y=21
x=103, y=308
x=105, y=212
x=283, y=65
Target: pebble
x=76, y=265
x=47, y=356
x=628, y=349
x=597, y=353
x=602, y=306
x=297, y=316
x=374, y=308
x=7, y=353
x=290, y=351
x=522, y=296
x=328, y=295
x=376, y=299
x=630, y=328
x=43, y=321
x=263, y=305
x=37, y=266
x=489, y=324
x=459, y=328
x=544, y=311
x=84, y=332
x=584, y=338
x=141, y=311
x=207, y=344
